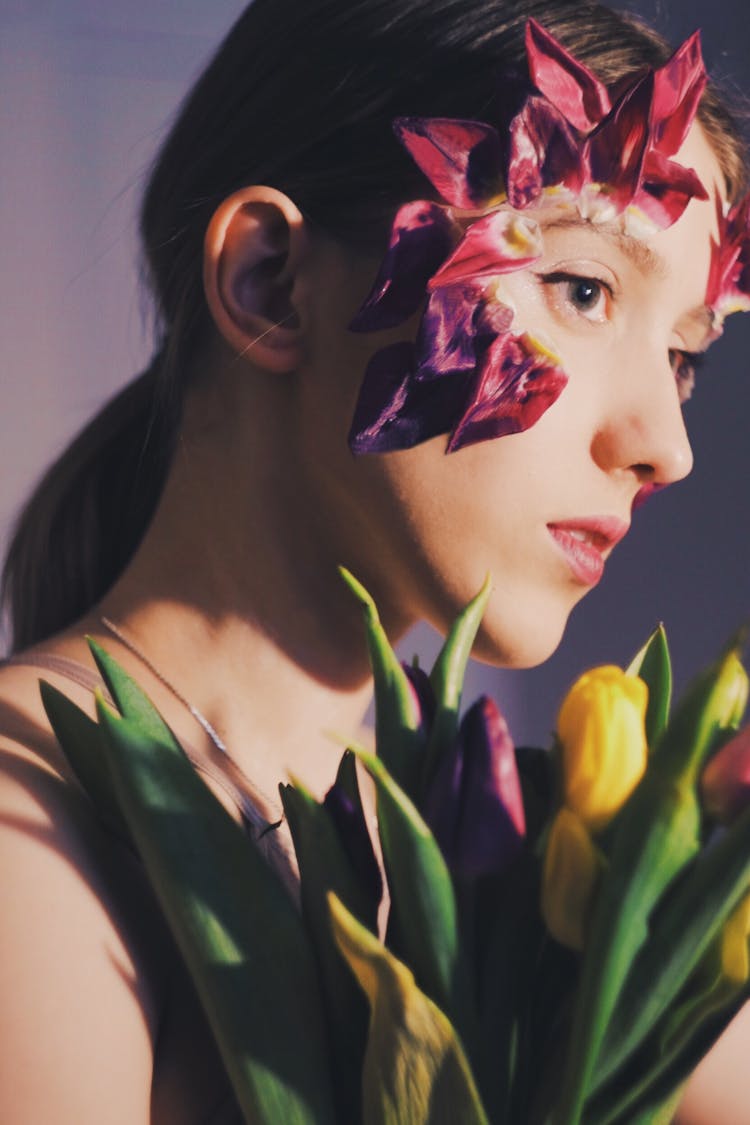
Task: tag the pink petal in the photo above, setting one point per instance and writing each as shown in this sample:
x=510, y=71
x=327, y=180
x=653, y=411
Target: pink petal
x=571, y=87
x=517, y=383
x=498, y=243
x=678, y=87
x=617, y=148
x=543, y=152
x=462, y=159
x=666, y=190
x=728, y=288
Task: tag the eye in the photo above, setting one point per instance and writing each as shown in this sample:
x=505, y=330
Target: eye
x=685, y=365
x=584, y=296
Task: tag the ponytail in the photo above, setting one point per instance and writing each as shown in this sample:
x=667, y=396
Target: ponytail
x=88, y=513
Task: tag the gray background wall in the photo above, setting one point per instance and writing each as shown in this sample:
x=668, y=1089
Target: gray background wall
x=85, y=91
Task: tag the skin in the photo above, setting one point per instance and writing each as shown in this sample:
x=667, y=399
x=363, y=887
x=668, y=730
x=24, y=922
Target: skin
x=234, y=594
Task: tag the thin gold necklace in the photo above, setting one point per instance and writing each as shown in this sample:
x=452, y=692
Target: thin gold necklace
x=248, y=808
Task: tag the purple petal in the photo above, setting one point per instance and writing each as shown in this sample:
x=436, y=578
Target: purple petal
x=458, y=326
x=424, y=696
x=517, y=383
x=461, y=159
x=543, y=152
x=678, y=88
x=569, y=85
x=350, y=824
x=492, y=823
x=498, y=243
x=395, y=411
x=421, y=236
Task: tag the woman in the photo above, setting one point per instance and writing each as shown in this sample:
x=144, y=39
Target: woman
x=196, y=527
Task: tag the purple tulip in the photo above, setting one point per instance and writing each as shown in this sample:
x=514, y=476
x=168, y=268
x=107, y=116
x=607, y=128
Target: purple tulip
x=474, y=804
x=349, y=821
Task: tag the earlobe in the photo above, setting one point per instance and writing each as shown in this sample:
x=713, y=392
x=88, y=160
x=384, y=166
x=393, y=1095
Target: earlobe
x=252, y=250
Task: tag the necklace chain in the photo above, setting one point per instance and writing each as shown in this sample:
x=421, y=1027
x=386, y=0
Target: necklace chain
x=248, y=806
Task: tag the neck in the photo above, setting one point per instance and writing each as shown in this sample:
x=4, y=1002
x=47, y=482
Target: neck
x=235, y=598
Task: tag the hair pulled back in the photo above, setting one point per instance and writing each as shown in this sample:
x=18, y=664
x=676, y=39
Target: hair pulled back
x=300, y=96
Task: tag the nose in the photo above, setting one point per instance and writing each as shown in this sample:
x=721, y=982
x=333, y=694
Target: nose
x=643, y=430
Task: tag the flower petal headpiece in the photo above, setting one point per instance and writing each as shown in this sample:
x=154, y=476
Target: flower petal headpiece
x=573, y=143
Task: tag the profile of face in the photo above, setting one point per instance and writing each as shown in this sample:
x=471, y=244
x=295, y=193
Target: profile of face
x=542, y=510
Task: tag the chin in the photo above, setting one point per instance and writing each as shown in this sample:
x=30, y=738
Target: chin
x=524, y=641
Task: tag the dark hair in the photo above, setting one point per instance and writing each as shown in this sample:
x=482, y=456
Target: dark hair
x=299, y=96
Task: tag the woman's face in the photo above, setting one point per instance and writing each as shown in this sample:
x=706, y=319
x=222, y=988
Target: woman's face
x=540, y=511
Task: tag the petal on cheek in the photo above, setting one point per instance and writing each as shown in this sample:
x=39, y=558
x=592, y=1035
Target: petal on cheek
x=395, y=411
x=421, y=236
x=518, y=381
x=447, y=334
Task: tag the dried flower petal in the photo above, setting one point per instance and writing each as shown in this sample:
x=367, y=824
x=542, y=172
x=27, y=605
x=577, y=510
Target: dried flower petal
x=565, y=82
x=396, y=411
x=498, y=243
x=461, y=159
x=678, y=88
x=421, y=235
x=519, y=380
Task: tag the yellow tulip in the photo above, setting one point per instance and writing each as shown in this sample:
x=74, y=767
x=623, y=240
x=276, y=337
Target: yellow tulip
x=572, y=865
x=735, y=962
x=601, y=729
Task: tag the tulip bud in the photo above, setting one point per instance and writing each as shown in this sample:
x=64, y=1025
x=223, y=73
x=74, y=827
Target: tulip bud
x=735, y=697
x=725, y=782
x=735, y=962
x=601, y=728
x=474, y=804
x=572, y=865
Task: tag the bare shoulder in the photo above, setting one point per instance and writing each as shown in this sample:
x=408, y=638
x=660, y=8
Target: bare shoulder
x=79, y=1004
x=718, y=1092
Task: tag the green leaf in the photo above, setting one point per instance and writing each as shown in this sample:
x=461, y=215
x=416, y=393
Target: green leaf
x=447, y=679
x=655, y=836
x=654, y=667
x=415, y=1071
x=421, y=888
x=647, y=1094
x=324, y=866
x=237, y=928
x=681, y=931
x=81, y=741
x=398, y=735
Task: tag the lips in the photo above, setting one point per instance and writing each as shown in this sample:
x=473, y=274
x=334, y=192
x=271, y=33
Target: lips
x=586, y=542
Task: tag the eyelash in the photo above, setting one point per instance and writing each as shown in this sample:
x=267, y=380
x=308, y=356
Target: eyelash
x=685, y=366
x=572, y=279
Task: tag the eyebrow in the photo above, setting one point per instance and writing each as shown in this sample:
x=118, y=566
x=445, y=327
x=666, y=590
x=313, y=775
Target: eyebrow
x=646, y=260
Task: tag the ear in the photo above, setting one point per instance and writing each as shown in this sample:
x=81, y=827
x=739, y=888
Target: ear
x=252, y=249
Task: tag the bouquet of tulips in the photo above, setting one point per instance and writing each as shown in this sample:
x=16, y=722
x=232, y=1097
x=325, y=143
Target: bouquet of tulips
x=567, y=930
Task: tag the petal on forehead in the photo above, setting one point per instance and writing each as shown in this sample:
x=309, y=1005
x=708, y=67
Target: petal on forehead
x=462, y=159
x=544, y=152
x=617, y=148
x=678, y=88
x=568, y=84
